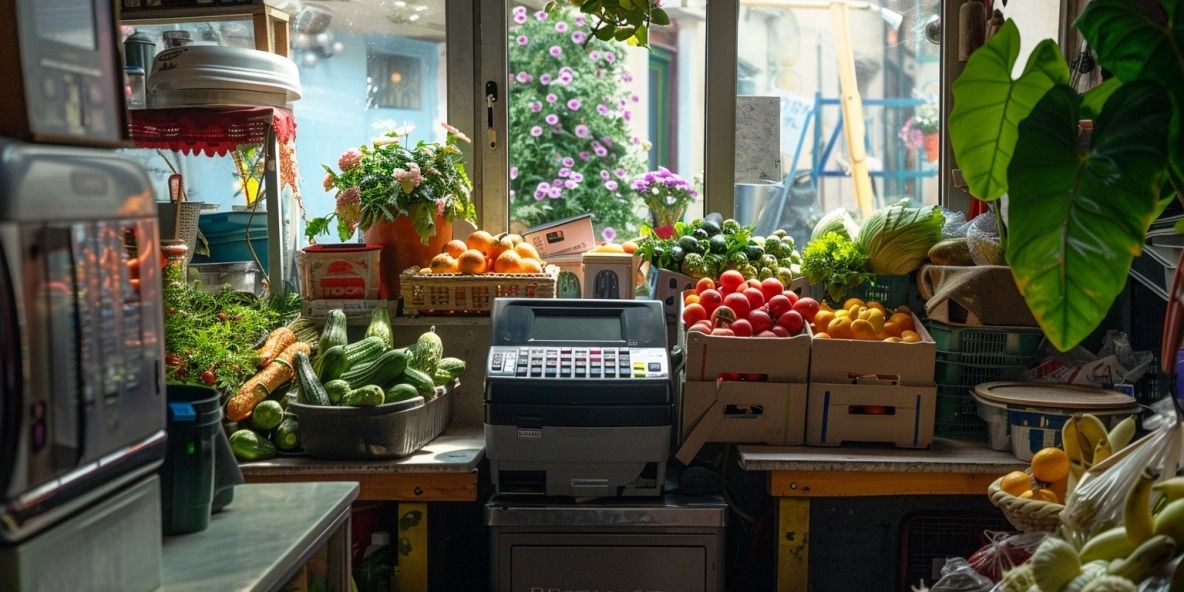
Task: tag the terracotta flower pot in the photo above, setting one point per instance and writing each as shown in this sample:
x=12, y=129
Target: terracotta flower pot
x=401, y=248
x=932, y=146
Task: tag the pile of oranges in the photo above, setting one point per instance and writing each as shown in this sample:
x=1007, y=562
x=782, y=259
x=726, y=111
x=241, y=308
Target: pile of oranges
x=1048, y=480
x=869, y=321
x=482, y=253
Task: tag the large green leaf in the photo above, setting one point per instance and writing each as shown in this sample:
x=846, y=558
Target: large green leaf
x=1138, y=40
x=989, y=104
x=1078, y=219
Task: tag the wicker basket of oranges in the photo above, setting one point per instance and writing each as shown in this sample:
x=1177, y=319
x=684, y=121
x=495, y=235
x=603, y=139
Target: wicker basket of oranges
x=1032, y=500
x=467, y=275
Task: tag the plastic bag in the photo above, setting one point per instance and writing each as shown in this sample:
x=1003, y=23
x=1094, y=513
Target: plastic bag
x=1004, y=551
x=1095, y=504
x=958, y=576
x=982, y=236
x=1162, y=581
x=956, y=224
x=1115, y=363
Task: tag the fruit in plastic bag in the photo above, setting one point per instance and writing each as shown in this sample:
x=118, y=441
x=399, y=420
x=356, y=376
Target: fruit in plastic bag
x=958, y=576
x=982, y=237
x=1004, y=551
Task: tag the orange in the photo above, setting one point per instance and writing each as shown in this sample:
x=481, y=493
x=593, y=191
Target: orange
x=892, y=339
x=527, y=251
x=822, y=318
x=691, y=299
x=839, y=328
x=1060, y=488
x=629, y=246
x=909, y=336
x=902, y=320
x=822, y=335
x=892, y=329
x=1050, y=465
x=515, y=238
x=443, y=263
x=531, y=266
x=862, y=329
x=1016, y=483
x=848, y=303
x=875, y=317
x=455, y=247
x=877, y=306
x=508, y=262
x=1044, y=495
x=482, y=242
x=471, y=261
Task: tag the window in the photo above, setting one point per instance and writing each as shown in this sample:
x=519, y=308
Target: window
x=395, y=81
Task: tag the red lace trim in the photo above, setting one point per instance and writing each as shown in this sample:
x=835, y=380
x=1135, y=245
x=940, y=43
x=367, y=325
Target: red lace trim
x=212, y=131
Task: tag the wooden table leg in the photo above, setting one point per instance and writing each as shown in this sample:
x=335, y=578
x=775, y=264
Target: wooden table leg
x=793, y=544
x=413, y=547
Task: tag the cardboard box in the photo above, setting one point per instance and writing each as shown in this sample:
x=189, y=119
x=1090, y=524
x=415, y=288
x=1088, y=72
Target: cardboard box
x=609, y=275
x=570, y=235
x=668, y=286
x=778, y=359
x=741, y=412
x=839, y=360
x=339, y=272
x=877, y=412
x=571, y=275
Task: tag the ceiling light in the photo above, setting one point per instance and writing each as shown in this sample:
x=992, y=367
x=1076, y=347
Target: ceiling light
x=413, y=18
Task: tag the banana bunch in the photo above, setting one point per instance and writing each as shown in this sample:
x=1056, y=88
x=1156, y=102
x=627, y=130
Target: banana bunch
x=1087, y=442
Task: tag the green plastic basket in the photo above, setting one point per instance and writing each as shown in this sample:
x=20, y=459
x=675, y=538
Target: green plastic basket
x=992, y=345
x=956, y=416
x=956, y=371
x=890, y=290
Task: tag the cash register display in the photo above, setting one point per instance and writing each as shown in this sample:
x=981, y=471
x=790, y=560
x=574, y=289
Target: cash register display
x=576, y=328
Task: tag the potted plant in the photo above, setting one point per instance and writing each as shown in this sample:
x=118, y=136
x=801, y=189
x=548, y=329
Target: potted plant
x=402, y=197
x=1079, y=206
x=924, y=129
x=667, y=196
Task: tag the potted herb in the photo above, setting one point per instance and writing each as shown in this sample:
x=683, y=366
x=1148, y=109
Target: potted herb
x=667, y=196
x=402, y=197
x=1079, y=209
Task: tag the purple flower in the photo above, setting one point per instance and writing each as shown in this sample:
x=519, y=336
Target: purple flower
x=524, y=77
x=561, y=27
x=555, y=51
x=544, y=186
x=566, y=70
x=608, y=234
x=649, y=178
x=555, y=192
x=349, y=160
x=568, y=162
x=580, y=20
x=536, y=131
x=545, y=79
x=620, y=173
x=574, y=104
x=621, y=103
x=520, y=19
x=518, y=10
x=513, y=173
x=594, y=55
x=551, y=98
x=627, y=114
x=607, y=141
x=599, y=150
x=570, y=184
x=557, y=182
x=635, y=140
x=564, y=172
x=611, y=185
x=605, y=175
x=565, y=79
x=585, y=155
x=541, y=15
x=635, y=98
x=578, y=178
x=540, y=195
x=627, y=77
x=551, y=119
x=582, y=131
x=610, y=56
x=578, y=37
x=536, y=106
x=522, y=40
x=602, y=109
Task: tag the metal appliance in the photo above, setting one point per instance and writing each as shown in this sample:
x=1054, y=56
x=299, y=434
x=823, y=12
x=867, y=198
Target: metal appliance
x=579, y=397
x=61, y=61
x=81, y=333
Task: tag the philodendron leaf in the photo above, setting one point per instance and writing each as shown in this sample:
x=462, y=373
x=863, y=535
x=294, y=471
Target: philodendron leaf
x=989, y=104
x=1078, y=219
x=1137, y=40
x=1094, y=98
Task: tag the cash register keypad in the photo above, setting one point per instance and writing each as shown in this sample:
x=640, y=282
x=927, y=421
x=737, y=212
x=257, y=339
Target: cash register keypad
x=578, y=362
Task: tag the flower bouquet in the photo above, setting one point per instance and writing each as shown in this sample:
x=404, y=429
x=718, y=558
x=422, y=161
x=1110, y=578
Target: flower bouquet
x=666, y=195
x=922, y=129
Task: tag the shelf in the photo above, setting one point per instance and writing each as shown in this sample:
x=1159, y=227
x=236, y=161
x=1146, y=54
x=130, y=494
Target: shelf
x=270, y=23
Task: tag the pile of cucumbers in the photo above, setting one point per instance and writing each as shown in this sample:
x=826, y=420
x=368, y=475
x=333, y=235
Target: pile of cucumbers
x=366, y=373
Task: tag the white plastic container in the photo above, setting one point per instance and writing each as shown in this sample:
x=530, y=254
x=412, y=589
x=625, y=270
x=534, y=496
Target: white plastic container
x=205, y=75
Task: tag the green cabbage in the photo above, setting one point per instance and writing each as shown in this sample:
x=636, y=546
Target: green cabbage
x=838, y=220
x=898, y=238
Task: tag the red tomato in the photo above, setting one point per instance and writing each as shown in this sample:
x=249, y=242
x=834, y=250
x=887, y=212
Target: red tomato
x=728, y=376
x=693, y=313
x=742, y=328
x=792, y=321
x=730, y=279
x=780, y=331
x=760, y=321
x=701, y=327
x=710, y=300
x=704, y=284
x=720, y=331
x=723, y=316
x=738, y=303
x=756, y=298
x=770, y=287
x=753, y=283
x=807, y=307
x=209, y=377
x=767, y=334
x=793, y=296
x=778, y=305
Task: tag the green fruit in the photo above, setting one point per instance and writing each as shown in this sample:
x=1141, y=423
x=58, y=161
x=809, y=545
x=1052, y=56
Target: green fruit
x=754, y=252
x=677, y=254
x=689, y=244
x=718, y=244
x=400, y=392
x=367, y=396
x=730, y=226
x=749, y=271
x=249, y=446
x=737, y=260
x=764, y=273
x=768, y=261
x=453, y=366
x=701, y=234
x=422, y=381
x=711, y=228
x=780, y=233
x=287, y=435
x=337, y=389
x=267, y=415
x=429, y=348
x=785, y=276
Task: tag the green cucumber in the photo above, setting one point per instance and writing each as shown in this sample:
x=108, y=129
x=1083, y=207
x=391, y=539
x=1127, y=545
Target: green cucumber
x=380, y=326
x=400, y=392
x=310, y=392
x=428, y=351
x=453, y=366
x=441, y=377
x=287, y=434
x=334, y=332
x=367, y=396
x=267, y=415
x=332, y=364
x=249, y=446
x=363, y=352
x=382, y=371
x=422, y=381
x=337, y=390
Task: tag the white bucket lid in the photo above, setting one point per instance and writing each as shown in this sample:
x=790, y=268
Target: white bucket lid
x=212, y=67
x=1052, y=395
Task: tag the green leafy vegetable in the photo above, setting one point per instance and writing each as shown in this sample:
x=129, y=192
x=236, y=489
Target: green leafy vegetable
x=837, y=220
x=898, y=238
x=836, y=263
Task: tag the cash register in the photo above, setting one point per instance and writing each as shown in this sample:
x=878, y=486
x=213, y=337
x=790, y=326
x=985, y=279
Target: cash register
x=579, y=397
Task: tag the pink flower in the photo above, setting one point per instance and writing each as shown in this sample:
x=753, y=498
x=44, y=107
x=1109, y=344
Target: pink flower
x=441, y=204
x=594, y=55
x=410, y=178
x=545, y=79
x=605, y=175
x=564, y=172
x=541, y=15
x=518, y=10
x=349, y=160
x=574, y=104
x=607, y=141
x=520, y=18
x=555, y=51
x=349, y=206
x=551, y=98
x=561, y=27
x=611, y=185
x=568, y=162
x=536, y=106
x=585, y=155
x=565, y=78
x=578, y=37
x=328, y=182
x=522, y=40
x=555, y=192
x=570, y=184
x=610, y=57
x=582, y=131
x=452, y=131
x=536, y=131
x=580, y=20
x=627, y=77
x=608, y=234
x=513, y=173
x=602, y=109
x=627, y=114
x=620, y=173
x=524, y=77
x=551, y=119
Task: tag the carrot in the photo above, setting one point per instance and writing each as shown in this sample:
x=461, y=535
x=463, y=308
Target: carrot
x=265, y=382
x=277, y=341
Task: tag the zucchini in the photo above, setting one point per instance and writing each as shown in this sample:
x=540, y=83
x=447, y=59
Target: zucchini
x=441, y=377
x=380, y=326
x=367, y=396
x=363, y=352
x=382, y=372
x=453, y=366
x=249, y=446
x=287, y=435
x=334, y=332
x=310, y=391
x=336, y=390
x=400, y=392
x=422, y=381
x=428, y=351
x=267, y=415
x=332, y=364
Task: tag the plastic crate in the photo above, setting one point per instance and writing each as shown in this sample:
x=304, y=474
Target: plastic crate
x=956, y=416
x=995, y=344
x=956, y=370
x=890, y=290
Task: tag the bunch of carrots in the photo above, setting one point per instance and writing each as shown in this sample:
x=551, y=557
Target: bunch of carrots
x=276, y=357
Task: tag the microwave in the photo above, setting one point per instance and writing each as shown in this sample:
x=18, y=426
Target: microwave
x=82, y=395
x=63, y=75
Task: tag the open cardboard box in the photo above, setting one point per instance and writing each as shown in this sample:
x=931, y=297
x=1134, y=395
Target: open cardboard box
x=778, y=359
x=562, y=237
x=836, y=360
x=741, y=412
x=871, y=410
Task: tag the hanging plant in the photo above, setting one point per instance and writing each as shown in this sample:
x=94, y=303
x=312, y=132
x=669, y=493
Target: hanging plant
x=623, y=20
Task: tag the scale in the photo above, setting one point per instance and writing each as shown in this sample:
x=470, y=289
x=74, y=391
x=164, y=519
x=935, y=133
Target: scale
x=579, y=397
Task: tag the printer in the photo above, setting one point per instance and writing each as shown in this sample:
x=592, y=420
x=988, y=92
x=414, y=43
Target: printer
x=579, y=397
